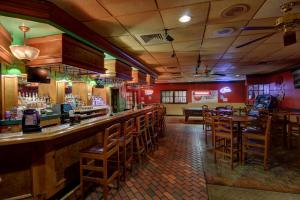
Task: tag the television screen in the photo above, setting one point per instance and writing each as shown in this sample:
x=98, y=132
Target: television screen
x=296, y=75
x=99, y=83
x=38, y=75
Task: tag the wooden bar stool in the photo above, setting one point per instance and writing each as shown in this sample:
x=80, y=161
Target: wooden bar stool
x=138, y=139
x=126, y=146
x=151, y=131
x=146, y=133
x=161, y=121
x=100, y=163
x=156, y=122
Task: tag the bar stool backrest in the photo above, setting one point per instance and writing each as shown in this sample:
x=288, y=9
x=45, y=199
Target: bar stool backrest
x=128, y=127
x=141, y=123
x=149, y=119
x=111, y=137
x=155, y=117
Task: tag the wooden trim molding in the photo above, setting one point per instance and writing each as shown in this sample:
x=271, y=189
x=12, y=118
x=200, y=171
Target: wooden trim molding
x=48, y=12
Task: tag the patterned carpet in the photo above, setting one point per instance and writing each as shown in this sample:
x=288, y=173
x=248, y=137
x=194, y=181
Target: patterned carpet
x=173, y=172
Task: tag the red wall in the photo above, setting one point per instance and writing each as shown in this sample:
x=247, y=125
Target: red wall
x=291, y=98
x=236, y=96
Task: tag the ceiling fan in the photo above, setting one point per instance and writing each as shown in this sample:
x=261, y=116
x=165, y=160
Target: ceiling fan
x=206, y=72
x=287, y=23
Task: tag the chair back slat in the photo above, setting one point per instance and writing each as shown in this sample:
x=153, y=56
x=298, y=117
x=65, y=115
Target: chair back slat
x=223, y=125
x=111, y=136
x=141, y=123
x=128, y=127
x=149, y=119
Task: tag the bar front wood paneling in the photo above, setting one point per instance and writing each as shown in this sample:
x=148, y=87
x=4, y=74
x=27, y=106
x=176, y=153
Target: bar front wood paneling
x=41, y=164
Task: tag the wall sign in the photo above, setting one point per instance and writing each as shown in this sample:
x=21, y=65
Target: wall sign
x=225, y=90
x=205, y=96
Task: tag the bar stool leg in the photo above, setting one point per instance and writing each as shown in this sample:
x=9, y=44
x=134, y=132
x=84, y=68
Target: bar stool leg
x=105, y=185
x=81, y=181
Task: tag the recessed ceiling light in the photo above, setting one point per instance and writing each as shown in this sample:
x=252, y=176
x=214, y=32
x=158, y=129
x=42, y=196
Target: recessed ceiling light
x=237, y=75
x=184, y=19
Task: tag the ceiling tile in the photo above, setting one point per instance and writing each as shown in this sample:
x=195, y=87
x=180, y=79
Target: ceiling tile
x=168, y=61
x=161, y=55
x=187, y=46
x=175, y=3
x=197, y=12
x=159, y=48
x=147, y=22
x=160, y=69
x=224, y=30
x=284, y=53
x=124, y=41
x=83, y=10
x=262, y=51
x=125, y=7
x=107, y=27
x=242, y=40
x=218, y=8
x=220, y=43
x=193, y=32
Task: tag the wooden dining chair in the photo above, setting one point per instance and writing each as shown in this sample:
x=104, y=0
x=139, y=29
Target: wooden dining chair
x=293, y=129
x=208, y=126
x=229, y=107
x=101, y=163
x=204, y=107
x=258, y=142
x=225, y=139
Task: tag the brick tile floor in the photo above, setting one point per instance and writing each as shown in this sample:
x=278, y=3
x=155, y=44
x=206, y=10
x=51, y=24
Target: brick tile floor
x=173, y=172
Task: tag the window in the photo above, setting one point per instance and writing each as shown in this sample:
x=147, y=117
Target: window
x=176, y=96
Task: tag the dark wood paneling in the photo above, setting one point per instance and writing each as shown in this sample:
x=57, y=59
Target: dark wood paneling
x=47, y=11
x=63, y=49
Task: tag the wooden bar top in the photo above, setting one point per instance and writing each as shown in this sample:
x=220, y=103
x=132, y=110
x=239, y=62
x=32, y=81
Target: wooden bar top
x=55, y=132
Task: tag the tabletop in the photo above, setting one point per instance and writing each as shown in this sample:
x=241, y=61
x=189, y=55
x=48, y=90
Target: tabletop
x=243, y=118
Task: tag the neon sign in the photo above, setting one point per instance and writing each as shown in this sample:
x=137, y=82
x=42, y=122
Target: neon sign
x=148, y=92
x=201, y=93
x=225, y=90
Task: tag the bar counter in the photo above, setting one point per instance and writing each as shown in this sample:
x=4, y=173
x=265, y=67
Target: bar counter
x=38, y=165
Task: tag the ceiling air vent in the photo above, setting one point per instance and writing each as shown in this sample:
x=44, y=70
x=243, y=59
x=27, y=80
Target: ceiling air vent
x=235, y=10
x=154, y=38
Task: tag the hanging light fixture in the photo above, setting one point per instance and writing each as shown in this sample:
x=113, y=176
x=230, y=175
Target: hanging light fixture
x=24, y=52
